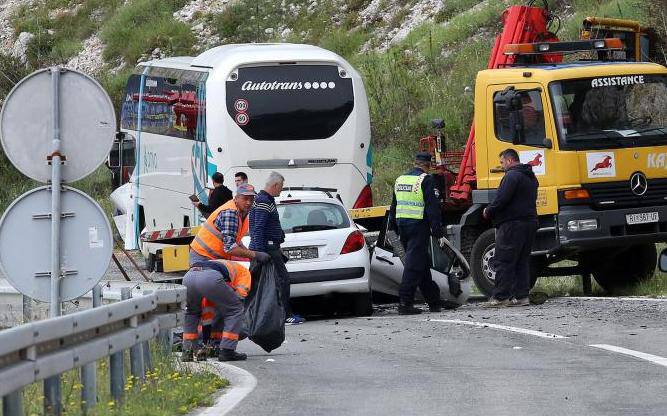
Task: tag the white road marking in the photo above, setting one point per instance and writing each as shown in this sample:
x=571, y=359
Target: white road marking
x=501, y=327
x=655, y=359
x=242, y=383
x=619, y=299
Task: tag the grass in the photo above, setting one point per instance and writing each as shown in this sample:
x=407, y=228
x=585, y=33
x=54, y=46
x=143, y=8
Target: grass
x=61, y=26
x=143, y=25
x=572, y=286
x=169, y=389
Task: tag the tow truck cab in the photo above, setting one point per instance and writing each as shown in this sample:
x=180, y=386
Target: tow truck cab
x=596, y=136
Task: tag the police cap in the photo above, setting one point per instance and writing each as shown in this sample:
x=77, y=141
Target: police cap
x=423, y=157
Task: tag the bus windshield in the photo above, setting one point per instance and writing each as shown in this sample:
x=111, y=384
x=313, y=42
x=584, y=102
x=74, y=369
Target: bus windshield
x=290, y=102
x=611, y=112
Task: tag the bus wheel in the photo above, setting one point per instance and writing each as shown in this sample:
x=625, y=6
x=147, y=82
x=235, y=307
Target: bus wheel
x=481, y=264
x=625, y=269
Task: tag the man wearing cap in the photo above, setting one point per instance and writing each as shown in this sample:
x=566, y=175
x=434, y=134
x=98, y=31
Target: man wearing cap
x=415, y=214
x=219, y=196
x=220, y=236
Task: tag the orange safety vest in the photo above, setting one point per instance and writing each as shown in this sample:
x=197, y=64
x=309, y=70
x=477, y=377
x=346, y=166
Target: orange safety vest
x=208, y=241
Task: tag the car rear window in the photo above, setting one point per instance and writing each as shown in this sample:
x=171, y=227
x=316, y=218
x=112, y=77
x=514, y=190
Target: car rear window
x=312, y=216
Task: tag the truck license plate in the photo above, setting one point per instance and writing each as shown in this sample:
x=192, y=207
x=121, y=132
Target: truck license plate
x=643, y=218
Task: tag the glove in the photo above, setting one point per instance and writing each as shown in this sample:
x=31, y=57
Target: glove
x=262, y=257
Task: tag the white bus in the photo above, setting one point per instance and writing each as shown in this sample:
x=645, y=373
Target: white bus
x=297, y=109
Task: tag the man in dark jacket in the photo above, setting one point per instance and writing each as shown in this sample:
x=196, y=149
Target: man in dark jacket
x=266, y=234
x=514, y=214
x=218, y=196
x=415, y=214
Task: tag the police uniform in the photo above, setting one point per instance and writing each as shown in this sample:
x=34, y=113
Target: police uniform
x=415, y=213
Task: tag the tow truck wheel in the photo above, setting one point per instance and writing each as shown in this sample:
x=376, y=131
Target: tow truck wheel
x=626, y=268
x=481, y=263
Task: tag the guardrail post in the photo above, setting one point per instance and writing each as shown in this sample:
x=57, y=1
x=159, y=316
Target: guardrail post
x=89, y=371
x=116, y=362
x=52, y=394
x=148, y=362
x=165, y=338
x=137, y=350
x=27, y=309
x=12, y=404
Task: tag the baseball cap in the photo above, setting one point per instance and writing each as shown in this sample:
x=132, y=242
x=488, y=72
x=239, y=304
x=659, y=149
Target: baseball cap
x=423, y=157
x=246, y=189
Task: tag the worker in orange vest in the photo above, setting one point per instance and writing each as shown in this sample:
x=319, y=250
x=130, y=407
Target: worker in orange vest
x=224, y=283
x=220, y=236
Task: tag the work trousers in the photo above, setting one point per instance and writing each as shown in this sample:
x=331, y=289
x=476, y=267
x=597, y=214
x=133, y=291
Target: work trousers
x=282, y=275
x=417, y=264
x=228, y=307
x=514, y=242
x=196, y=257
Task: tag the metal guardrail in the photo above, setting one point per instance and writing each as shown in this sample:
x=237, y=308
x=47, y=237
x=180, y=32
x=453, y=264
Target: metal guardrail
x=45, y=349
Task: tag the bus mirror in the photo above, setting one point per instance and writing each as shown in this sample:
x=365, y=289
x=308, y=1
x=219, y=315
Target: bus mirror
x=663, y=261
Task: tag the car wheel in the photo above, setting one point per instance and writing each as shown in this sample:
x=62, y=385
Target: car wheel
x=362, y=304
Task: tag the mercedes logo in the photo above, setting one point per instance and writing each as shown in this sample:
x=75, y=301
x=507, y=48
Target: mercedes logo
x=638, y=183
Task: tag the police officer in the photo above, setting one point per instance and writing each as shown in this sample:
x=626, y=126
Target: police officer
x=514, y=214
x=415, y=214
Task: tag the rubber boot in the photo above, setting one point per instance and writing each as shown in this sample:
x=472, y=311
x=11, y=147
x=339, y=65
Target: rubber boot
x=231, y=355
x=405, y=308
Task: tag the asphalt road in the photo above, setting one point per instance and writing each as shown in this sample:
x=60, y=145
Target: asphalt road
x=393, y=365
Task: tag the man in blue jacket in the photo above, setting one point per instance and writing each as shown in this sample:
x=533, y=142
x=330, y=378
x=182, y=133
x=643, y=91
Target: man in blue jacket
x=514, y=214
x=266, y=234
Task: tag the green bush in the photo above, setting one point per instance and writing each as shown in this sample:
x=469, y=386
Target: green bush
x=143, y=25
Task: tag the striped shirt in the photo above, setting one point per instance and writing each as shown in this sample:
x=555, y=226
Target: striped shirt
x=265, y=226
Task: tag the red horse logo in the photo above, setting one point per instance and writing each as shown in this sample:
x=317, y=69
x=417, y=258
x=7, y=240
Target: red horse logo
x=605, y=164
x=537, y=160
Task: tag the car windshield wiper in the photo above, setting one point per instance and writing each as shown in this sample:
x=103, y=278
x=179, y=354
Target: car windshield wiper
x=318, y=227
x=661, y=130
x=592, y=135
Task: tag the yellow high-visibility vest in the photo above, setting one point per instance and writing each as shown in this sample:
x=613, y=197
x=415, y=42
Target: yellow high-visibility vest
x=409, y=196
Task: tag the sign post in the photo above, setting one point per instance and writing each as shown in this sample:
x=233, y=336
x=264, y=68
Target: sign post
x=62, y=148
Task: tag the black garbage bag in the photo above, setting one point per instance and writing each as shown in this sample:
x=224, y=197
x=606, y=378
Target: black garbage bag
x=264, y=319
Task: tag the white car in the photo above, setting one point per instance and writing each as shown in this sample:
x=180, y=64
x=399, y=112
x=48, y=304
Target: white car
x=327, y=252
x=387, y=271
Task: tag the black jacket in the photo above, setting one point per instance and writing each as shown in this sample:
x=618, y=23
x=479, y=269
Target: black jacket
x=219, y=196
x=432, y=209
x=517, y=196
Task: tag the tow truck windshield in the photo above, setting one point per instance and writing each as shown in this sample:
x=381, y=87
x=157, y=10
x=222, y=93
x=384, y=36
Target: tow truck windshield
x=610, y=112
